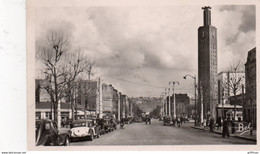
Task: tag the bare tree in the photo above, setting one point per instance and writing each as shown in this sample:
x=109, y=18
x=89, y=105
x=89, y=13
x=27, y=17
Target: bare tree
x=233, y=83
x=60, y=65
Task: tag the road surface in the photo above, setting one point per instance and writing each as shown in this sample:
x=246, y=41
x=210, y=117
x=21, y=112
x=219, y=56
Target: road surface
x=157, y=134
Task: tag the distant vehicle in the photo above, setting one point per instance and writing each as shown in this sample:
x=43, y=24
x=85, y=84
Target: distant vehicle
x=138, y=119
x=129, y=120
x=167, y=120
x=47, y=134
x=84, y=128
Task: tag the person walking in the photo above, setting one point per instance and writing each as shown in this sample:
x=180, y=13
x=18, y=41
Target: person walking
x=204, y=124
x=211, y=124
x=219, y=124
x=173, y=121
x=233, y=126
x=179, y=121
x=225, y=130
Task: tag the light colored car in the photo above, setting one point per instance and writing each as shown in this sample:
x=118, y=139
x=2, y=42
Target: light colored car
x=84, y=128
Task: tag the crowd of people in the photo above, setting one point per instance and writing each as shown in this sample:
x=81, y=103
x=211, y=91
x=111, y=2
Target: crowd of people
x=226, y=124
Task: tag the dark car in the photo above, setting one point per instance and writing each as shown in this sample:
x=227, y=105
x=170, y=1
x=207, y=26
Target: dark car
x=167, y=120
x=101, y=124
x=108, y=126
x=129, y=120
x=113, y=123
x=47, y=134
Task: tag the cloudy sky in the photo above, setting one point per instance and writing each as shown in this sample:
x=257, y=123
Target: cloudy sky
x=140, y=49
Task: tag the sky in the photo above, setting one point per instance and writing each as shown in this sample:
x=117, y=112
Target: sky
x=140, y=49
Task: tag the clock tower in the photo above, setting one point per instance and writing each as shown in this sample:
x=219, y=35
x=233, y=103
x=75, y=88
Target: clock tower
x=207, y=69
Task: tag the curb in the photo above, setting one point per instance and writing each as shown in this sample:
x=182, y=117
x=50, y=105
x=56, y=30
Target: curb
x=245, y=138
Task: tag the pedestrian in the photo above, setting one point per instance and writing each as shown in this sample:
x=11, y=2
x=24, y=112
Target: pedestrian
x=204, y=123
x=211, y=124
x=225, y=130
x=233, y=126
x=62, y=122
x=179, y=121
x=218, y=123
x=149, y=118
x=173, y=121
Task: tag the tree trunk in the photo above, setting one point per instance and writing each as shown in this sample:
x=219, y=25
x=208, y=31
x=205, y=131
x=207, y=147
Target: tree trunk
x=56, y=96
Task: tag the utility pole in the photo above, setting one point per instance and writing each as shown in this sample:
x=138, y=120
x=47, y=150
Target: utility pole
x=118, y=107
x=165, y=104
x=169, y=100
x=59, y=115
x=243, y=100
x=174, y=98
x=201, y=114
x=223, y=103
x=100, y=98
x=195, y=95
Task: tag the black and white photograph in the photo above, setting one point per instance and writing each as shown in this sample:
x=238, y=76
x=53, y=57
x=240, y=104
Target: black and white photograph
x=141, y=75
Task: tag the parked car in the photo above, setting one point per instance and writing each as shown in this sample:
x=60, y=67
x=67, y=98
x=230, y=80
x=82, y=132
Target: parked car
x=84, y=128
x=47, y=134
x=114, y=124
x=101, y=124
x=108, y=126
x=167, y=120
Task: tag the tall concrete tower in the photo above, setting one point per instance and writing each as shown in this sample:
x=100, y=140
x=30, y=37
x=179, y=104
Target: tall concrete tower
x=207, y=60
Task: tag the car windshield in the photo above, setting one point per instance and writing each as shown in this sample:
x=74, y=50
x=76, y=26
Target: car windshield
x=81, y=124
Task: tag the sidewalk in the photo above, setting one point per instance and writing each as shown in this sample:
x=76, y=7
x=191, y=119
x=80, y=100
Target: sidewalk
x=245, y=135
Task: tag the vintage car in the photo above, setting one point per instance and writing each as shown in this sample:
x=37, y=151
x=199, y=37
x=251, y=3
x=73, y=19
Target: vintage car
x=114, y=124
x=167, y=120
x=47, y=134
x=84, y=129
x=108, y=126
x=129, y=120
x=101, y=124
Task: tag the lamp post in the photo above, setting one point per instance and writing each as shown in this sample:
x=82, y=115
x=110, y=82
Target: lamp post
x=162, y=108
x=174, y=99
x=195, y=86
x=169, y=107
x=165, y=104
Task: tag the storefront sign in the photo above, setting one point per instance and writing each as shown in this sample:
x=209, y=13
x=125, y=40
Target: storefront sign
x=243, y=127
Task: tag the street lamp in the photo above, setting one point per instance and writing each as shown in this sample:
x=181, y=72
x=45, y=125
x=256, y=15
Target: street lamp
x=194, y=77
x=167, y=90
x=174, y=99
x=165, y=104
x=161, y=98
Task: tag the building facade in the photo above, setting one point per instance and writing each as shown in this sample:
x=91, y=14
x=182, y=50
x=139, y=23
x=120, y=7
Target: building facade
x=207, y=65
x=107, y=97
x=249, y=108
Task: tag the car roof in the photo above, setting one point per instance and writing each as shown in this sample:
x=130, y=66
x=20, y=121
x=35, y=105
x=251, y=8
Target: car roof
x=81, y=120
x=43, y=120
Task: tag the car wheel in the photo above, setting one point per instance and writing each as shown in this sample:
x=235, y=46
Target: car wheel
x=91, y=138
x=67, y=141
x=98, y=134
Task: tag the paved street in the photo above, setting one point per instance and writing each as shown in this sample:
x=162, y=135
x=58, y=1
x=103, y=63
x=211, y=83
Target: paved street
x=157, y=134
